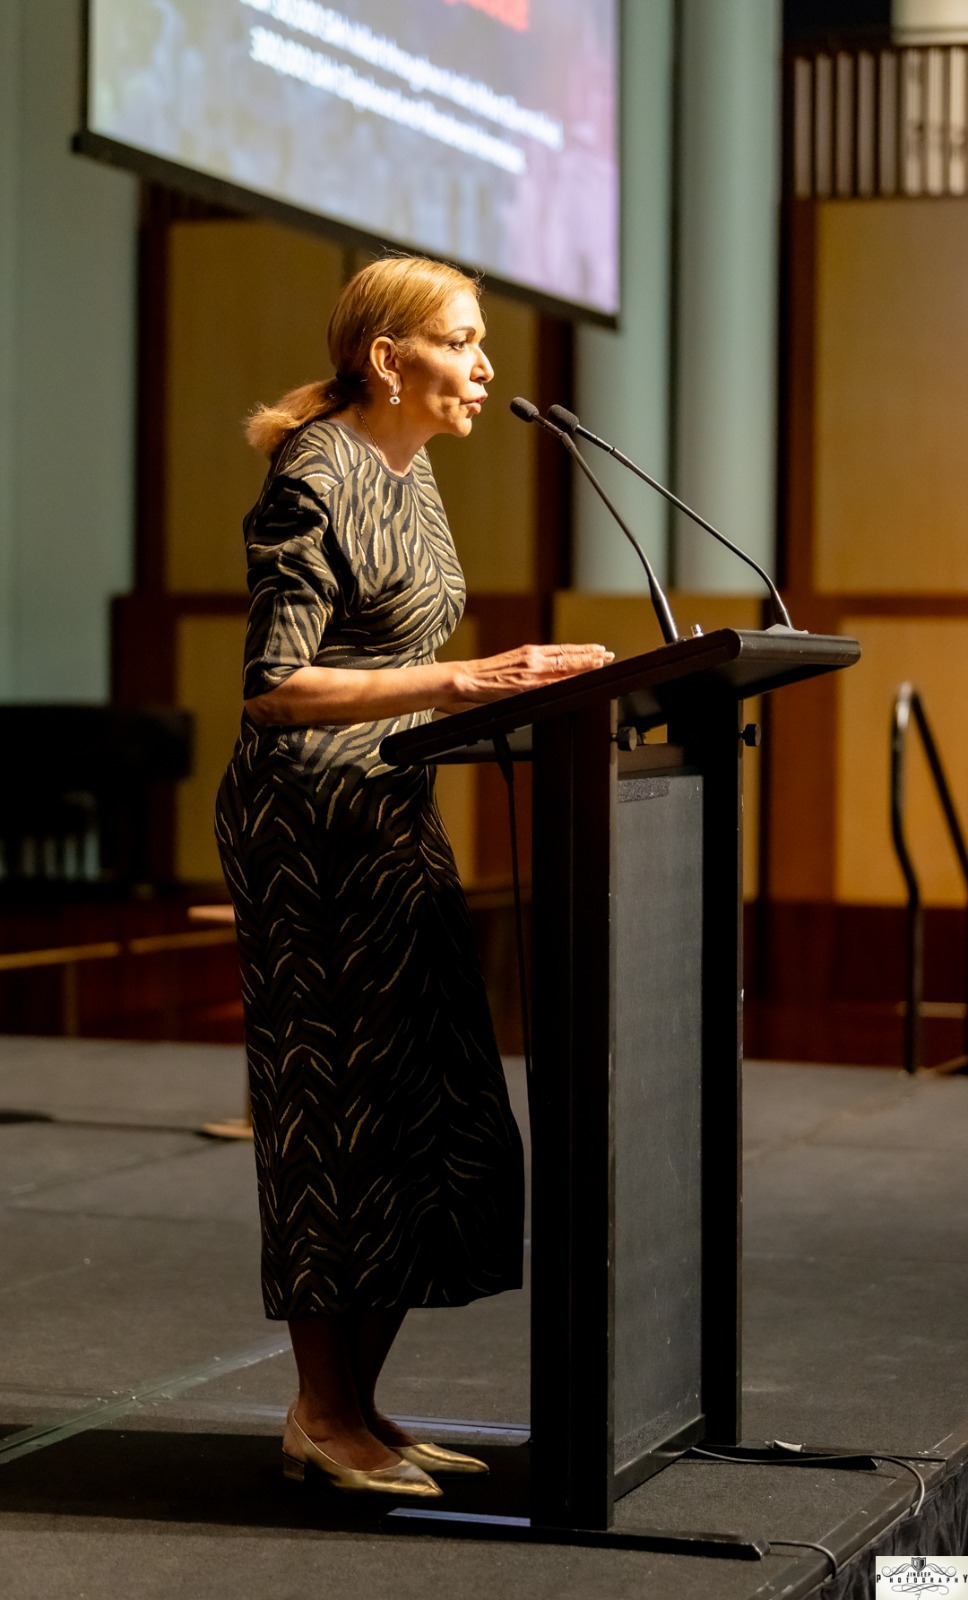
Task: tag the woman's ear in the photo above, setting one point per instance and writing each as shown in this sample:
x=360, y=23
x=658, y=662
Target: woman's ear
x=383, y=359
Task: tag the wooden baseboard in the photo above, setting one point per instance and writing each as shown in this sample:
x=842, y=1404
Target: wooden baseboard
x=140, y=969
x=825, y=982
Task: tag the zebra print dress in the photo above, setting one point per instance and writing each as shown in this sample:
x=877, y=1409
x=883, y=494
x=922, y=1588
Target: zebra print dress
x=389, y=1165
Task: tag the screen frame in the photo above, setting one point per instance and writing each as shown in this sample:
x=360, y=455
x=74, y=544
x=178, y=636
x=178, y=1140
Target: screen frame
x=155, y=169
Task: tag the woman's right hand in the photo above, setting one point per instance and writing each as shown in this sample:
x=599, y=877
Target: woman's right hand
x=530, y=666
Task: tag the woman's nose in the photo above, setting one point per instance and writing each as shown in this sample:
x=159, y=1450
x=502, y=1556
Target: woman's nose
x=483, y=371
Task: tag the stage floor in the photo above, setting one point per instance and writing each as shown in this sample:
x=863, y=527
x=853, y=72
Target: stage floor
x=142, y=1392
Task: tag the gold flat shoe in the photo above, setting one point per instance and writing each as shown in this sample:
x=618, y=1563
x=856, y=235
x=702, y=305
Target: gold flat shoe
x=400, y=1478
x=434, y=1458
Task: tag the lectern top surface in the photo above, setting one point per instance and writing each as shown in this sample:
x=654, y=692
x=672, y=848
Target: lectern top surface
x=732, y=662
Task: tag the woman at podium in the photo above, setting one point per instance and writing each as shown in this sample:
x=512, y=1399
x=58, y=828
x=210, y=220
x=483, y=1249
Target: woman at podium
x=389, y=1165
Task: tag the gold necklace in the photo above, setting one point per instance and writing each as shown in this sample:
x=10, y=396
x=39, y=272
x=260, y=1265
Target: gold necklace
x=366, y=430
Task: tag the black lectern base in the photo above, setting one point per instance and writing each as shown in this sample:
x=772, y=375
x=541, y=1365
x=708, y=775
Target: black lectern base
x=521, y=1530
x=724, y=1546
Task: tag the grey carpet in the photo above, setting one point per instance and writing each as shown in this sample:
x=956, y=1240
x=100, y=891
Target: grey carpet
x=129, y=1280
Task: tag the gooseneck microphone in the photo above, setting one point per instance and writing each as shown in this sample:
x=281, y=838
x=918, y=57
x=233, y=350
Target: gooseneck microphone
x=526, y=412
x=569, y=424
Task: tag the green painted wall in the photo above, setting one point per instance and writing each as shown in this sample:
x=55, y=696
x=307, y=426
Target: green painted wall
x=622, y=378
x=68, y=236
x=700, y=249
x=726, y=254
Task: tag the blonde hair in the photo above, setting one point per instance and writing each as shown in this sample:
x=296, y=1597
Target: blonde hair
x=395, y=297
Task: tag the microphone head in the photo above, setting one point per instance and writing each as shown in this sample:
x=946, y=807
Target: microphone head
x=524, y=409
x=566, y=420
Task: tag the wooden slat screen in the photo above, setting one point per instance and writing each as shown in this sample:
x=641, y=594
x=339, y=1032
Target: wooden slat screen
x=878, y=123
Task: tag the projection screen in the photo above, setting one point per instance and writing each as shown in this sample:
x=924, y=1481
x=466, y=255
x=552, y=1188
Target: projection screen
x=482, y=131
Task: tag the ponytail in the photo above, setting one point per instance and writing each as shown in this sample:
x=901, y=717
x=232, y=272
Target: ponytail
x=270, y=426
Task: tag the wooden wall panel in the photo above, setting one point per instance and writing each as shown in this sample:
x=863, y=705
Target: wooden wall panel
x=932, y=653
x=626, y=623
x=891, y=397
x=247, y=314
x=802, y=796
x=208, y=677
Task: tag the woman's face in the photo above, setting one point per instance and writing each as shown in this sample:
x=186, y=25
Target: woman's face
x=443, y=373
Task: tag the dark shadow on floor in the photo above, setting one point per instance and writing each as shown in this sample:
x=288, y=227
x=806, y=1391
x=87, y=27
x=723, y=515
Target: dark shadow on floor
x=230, y=1480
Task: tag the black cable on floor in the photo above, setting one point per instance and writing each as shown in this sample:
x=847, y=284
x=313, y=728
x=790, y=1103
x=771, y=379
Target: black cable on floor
x=808, y=1544
x=828, y=1459
x=505, y=761
x=900, y=1461
x=795, y=1458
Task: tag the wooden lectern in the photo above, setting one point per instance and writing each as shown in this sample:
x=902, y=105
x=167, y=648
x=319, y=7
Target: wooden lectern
x=637, y=1059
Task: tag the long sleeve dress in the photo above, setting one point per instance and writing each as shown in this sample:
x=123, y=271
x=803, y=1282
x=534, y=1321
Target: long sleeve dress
x=388, y=1161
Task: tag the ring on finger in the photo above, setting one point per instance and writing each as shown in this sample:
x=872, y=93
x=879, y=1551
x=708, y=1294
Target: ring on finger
x=559, y=661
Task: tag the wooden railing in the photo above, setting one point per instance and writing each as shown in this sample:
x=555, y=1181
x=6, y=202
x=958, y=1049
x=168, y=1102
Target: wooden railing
x=70, y=958
x=880, y=122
